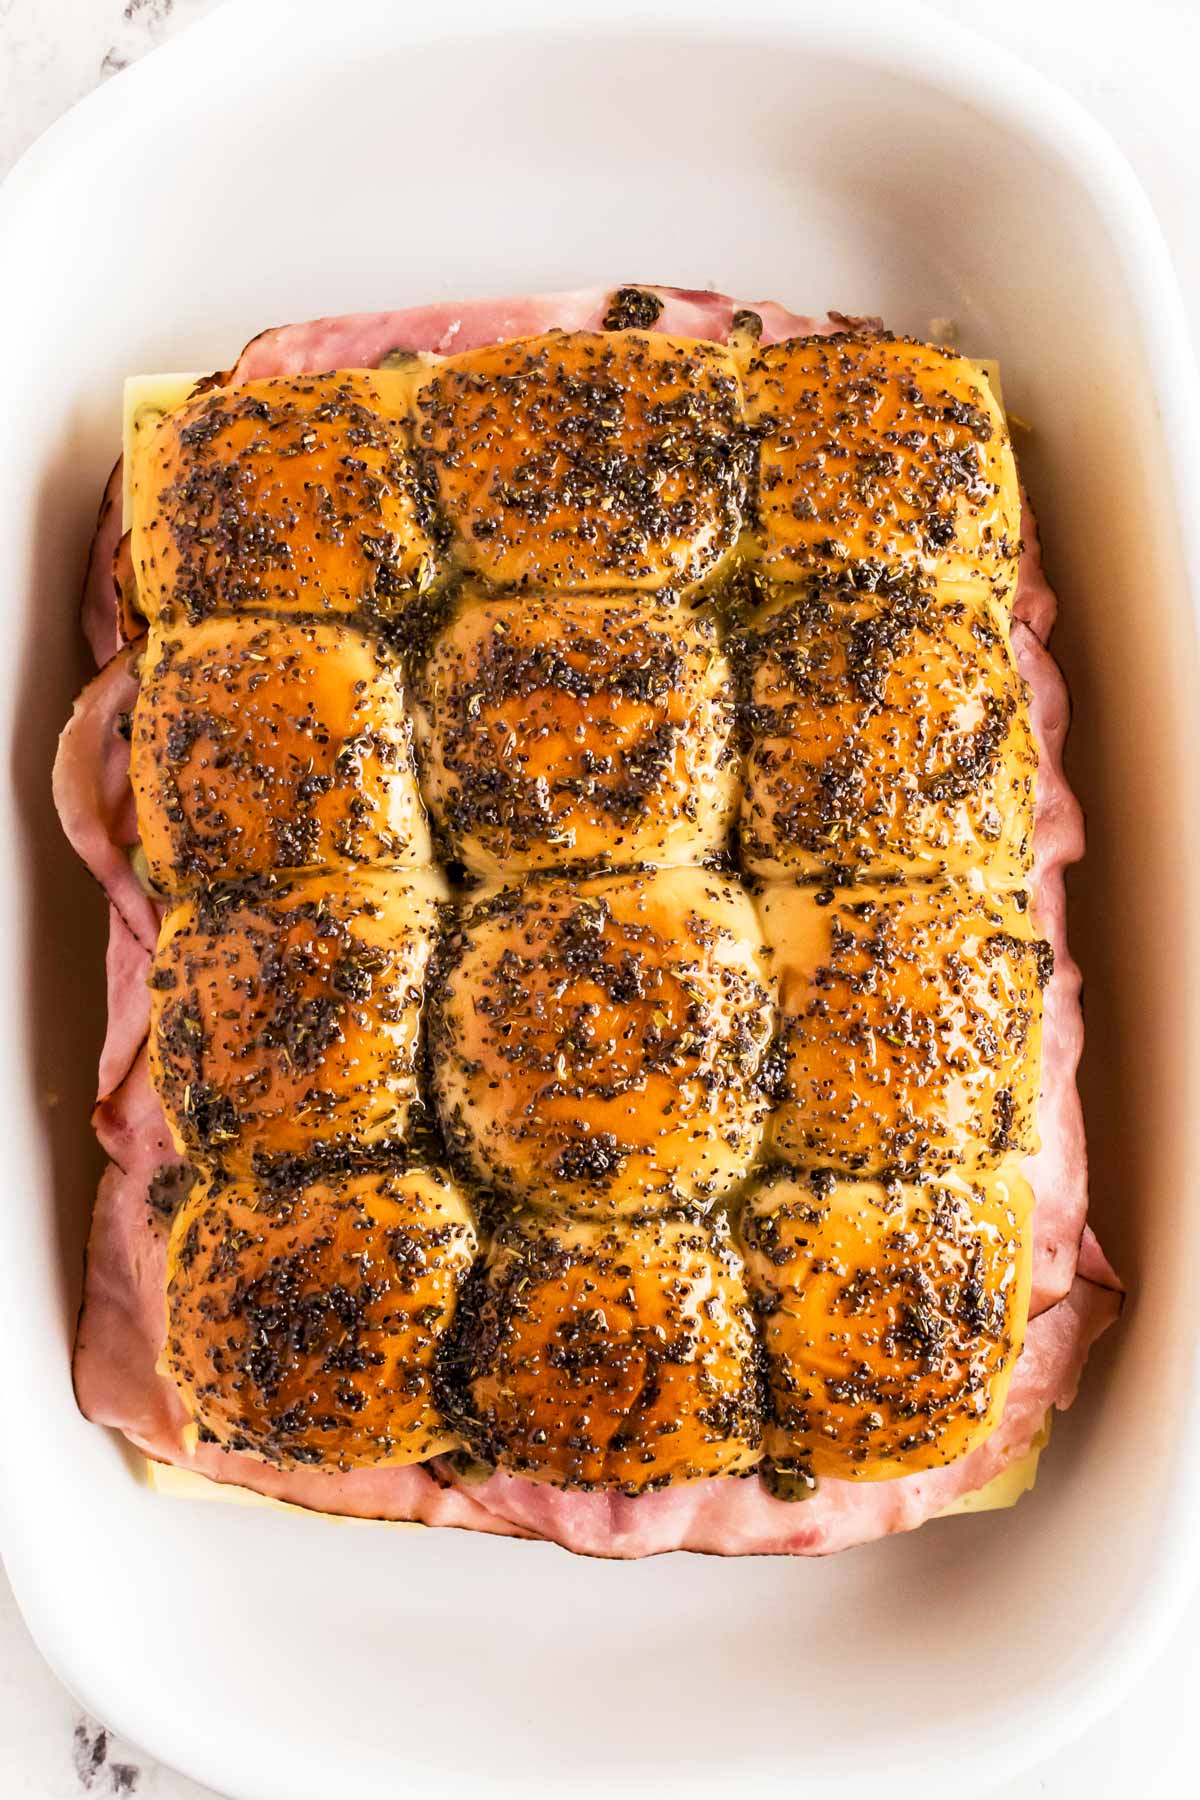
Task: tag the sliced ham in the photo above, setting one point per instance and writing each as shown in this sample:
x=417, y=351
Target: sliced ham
x=1094, y=1266
x=117, y=1383
x=1035, y=603
x=414, y=1494
x=120, y=1327
x=1075, y=1294
x=99, y=586
x=92, y=792
x=126, y=965
x=362, y=340
x=740, y=1518
x=1058, y=1171
x=132, y=1127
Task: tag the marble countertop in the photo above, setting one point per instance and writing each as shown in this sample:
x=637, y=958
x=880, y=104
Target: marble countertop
x=1138, y=77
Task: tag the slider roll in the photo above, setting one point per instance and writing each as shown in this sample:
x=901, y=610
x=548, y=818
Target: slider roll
x=892, y=1315
x=304, y=1324
x=586, y=460
x=285, y=1014
x=910, y=1022
x=881, y=458
x=298, y=494
x=619, y=1356
x=563, y=728
x=598, y=1045
x=888, y=738
x=261, y=744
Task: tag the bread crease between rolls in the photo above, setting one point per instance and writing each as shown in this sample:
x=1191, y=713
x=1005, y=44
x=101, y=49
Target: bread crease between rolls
x=692, y=663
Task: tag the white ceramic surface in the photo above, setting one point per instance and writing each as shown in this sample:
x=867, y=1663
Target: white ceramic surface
x=825, y=162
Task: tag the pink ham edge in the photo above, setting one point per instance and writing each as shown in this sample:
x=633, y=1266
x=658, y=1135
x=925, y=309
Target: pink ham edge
x=1035, y=603
x=118, y=1337
x=1058, y=1172
x=132, y=1127
x=93, y=796
x=411, y=1494
x=117, y=1383
x=127, y=968
x=362, y=340
x=1095, y=1267
x=99, y=616
x=132, y=1118
x=740, y=1518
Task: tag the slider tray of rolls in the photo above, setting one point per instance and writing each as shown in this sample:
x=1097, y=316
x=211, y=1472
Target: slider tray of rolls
x=580, y=935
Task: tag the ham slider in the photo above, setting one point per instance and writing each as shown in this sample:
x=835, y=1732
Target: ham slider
x=585, y=807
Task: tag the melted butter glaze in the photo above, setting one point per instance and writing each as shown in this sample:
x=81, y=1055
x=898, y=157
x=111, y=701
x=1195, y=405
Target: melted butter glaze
x=549, y=536
x=891, y=1313
x=571, y=728
x=598, y=1045
x=303, y=1325
x=621, y=1356
x=290, y=494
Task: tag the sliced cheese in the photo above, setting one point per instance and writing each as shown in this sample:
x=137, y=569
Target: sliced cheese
x=990, y=370
x=147, y=398
x=1006, y=1488
x=185, y=1484
x=1002, y=1491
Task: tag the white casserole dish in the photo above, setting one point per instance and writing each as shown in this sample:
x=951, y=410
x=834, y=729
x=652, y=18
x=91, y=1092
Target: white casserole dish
x=284, y=159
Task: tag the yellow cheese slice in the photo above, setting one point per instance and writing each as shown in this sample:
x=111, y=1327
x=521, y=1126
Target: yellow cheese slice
x=185, y=1484
x=1002, y=1491
x=147, y=398
x=990, y=371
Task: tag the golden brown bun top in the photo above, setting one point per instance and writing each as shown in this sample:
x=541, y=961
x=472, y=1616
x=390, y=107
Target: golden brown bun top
x=263, y=744
x=597, y=1045
x=911, y=1022
x=878, y=454
x=888, y=736
x=284, y=1013
x=296, y=493
x=620, y=459
x=587, y=459
x=612, y=1033
x=561, y=728
x=892, y=1316
x=303, y=1326
x=618, y=1356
